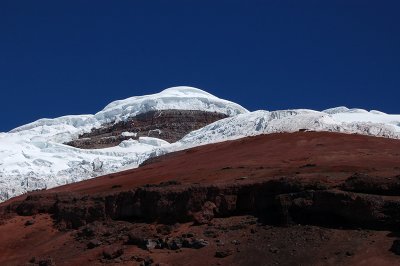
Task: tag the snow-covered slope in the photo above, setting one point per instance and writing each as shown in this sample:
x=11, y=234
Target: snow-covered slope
x=33, y=156
x=264, y=122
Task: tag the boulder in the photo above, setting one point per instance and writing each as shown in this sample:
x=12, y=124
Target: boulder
x=112, y=252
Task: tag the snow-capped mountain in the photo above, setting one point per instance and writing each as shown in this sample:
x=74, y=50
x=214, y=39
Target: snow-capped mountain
x=33, y=156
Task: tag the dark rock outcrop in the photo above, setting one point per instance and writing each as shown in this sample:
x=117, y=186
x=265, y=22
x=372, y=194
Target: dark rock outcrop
x=396, y=247
x=112, y=252
x=169, y=125
x=223, y=253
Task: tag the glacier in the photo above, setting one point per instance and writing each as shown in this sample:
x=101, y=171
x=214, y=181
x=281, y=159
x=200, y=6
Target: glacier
x=266, y=122
x=34, y=157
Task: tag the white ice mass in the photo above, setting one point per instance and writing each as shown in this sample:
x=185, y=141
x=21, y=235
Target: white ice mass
x=33, y=156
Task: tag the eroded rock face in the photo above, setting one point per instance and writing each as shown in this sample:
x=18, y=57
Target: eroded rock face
x=169, y=125
x=283, y=201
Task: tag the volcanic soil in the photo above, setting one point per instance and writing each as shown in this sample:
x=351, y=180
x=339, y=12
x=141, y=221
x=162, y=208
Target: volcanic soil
x=305, y=198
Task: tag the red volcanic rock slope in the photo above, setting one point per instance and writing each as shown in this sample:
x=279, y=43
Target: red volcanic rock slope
x=304, y=198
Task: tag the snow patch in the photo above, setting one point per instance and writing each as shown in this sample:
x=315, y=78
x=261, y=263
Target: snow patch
x=153, y=141
x=129, y=134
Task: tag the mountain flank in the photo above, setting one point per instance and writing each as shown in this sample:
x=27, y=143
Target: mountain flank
x=270, y=198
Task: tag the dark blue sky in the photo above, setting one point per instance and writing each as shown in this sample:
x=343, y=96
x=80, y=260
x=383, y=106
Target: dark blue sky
x=74, y=57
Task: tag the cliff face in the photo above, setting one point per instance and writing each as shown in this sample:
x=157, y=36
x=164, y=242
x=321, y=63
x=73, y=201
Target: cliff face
x=283, y=201
x=275, y=197
x=169, y=125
